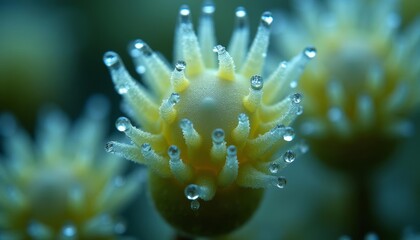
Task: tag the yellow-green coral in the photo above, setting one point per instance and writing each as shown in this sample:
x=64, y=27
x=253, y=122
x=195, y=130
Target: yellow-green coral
x=209, y=134
x=63, y=186
x=363, y=84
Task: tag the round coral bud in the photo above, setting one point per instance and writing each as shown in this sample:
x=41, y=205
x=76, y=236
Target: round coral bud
x=229, y=209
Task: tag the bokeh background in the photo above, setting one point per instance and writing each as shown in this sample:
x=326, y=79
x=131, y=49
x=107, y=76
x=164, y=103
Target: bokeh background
x=51, y=53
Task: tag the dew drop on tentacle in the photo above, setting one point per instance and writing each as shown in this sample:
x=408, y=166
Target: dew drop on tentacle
x=111, y=59
x=257, y=82
x=218, y=136
x=219, y=49
x=174, y=98
x=289, y=156
x=174, y=153
x=299, y=110
x=240, y=14
x=296, y=98
x=266, y=19
x=208, y=7
x=310, y=52
x=109, y=147
x=231, y=151
x=180, y=65
x=289, y=134
x=145, y=147
x=184, y=14
x=281, y=182
x=113, y=62
x=140, y=47
x=122, y=124
x=192, y=192
x=273, y=167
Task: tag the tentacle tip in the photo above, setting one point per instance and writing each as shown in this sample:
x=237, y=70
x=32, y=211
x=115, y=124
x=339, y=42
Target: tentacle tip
x=111, y=59
x=208, y=7
x=137, y=47
x=185, y=14
x=266, y=19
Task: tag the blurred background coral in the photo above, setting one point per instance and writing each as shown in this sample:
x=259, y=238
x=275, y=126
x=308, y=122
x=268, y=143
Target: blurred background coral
x=51, y=52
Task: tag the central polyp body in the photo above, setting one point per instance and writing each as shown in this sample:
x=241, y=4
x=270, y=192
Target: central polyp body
x=209, y=103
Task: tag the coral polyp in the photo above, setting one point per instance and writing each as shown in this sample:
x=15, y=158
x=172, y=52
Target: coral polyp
x=63, y=186
x=214, y=130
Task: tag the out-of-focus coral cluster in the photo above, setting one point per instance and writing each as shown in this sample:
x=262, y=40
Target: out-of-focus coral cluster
x=364, y=85
x=63, y=186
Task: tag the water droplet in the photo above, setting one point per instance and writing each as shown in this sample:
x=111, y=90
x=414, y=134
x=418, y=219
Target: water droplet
x=146, y=147
x=289, y=134
x=185, y=123
x=184, y=13
x=180, y=65
x=192, y=192
x=138, y=47
x=68, y=231
x=283, y=64
x=111, y=58
x=219, y=49
x=256, y=82
x=274, y=167
x=242, y=118
x=122, y=124
x=266, y=19
x=289, y=156
x=299, y=110
x=296, y=98
x=122, y=88
x=218, y=136
x=281, y=182
x=208, y=7
x=240, y=14
x=174, y=98
x=109, y=147
x=231, y=151
x=310, y=52
x=173, y=152
x=195, y=205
